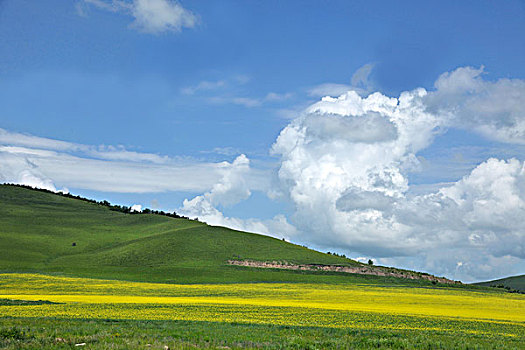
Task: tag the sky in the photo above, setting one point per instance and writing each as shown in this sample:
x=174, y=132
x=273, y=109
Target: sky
x=392, y=131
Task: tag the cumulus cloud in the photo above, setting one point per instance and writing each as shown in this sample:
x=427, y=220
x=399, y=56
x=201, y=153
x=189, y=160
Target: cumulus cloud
x=230, y=190
x=478, y=218
x=345, y=161
x=369, y=128
x=495, y=109
x=150, y=16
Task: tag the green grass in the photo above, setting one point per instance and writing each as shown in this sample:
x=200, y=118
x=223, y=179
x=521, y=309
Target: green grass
x=514, y=282
x=38, y=229
x=27, y=333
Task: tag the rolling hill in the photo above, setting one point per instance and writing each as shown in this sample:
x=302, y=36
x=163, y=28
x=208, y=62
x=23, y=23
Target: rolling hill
x=514, y=282
x=50, y=233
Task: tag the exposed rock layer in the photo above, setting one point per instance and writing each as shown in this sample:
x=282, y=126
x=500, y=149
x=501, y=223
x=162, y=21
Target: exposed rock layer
x=361, y=270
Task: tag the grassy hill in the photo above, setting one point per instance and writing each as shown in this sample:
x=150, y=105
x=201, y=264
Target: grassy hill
x=46, y=232
x=514, y=282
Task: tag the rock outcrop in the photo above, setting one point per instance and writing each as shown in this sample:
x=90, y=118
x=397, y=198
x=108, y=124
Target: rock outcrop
x=361, y=270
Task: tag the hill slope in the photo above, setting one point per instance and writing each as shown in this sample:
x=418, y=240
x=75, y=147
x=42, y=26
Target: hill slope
x=38, y=229
x=514, y=282
x=45, y=232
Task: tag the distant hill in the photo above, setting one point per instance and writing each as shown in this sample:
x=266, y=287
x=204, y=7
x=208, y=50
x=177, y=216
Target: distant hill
x=46, y=232
x=514, y=282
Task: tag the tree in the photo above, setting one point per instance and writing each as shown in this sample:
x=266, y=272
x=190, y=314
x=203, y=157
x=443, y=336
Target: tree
x=370, y=262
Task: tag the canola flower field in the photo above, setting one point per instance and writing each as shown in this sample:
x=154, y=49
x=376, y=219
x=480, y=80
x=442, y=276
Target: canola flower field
x=492, y=317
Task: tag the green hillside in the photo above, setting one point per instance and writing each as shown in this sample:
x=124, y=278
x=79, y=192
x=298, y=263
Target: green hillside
x=38, y=229
x=514, y=282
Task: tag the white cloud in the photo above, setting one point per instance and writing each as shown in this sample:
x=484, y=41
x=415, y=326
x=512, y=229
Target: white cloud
x=43, y=162
x=136, y=208
x=495, y=109
x=154, y=16
x=365, y=260
x=150, y=16
x=230, y=190
x=27, y=177
x=344, y=166
x=100, y=152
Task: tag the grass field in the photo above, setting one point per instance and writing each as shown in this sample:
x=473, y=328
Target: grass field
x=448, y=316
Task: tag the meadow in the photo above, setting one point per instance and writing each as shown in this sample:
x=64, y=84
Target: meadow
x=254, y=315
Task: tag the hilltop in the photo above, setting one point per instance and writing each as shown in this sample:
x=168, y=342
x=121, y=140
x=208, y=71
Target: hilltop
x=45, y=232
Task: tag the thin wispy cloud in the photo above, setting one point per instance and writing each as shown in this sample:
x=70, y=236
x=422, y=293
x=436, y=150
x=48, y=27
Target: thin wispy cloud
x=275, y=97
x=251, y=102
x=47, y=163
x=361, y=77
x=108, y=152
x=360, y=82
x=204, y=86
x=240, y=101
x=226, y=151
x=228, y=91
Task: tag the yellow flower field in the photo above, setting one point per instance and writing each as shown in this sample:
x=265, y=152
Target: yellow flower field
x=325, y=305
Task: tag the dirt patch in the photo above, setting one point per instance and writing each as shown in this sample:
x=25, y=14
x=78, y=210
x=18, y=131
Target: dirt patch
x=361, y=270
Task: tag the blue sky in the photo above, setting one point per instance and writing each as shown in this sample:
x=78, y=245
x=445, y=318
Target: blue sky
x=146, y=88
